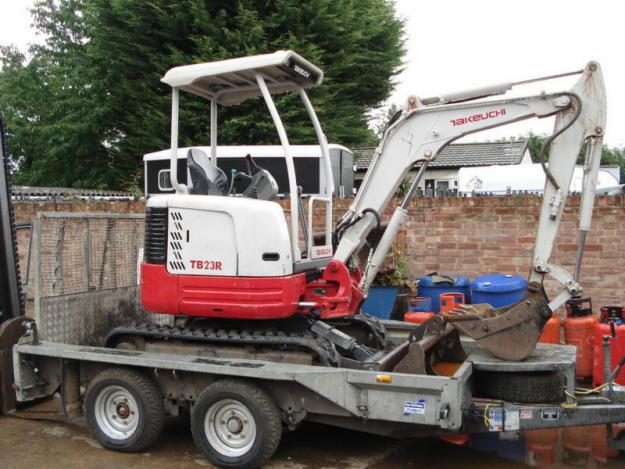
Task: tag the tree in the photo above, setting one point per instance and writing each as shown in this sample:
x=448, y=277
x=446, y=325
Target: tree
x=381, y=121
x=89, y=102
x=610, y=156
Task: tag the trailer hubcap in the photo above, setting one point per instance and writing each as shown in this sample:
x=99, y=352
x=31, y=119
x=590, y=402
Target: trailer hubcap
x=230, y=428
x=116, y=412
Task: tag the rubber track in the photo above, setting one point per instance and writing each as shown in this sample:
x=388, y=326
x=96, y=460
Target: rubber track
x=323, y=348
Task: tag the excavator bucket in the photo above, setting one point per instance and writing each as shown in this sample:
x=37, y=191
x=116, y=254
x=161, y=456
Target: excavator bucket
x=508, y=333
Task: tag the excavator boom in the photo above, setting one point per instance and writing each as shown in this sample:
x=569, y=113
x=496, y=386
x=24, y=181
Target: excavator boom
x=417, y=136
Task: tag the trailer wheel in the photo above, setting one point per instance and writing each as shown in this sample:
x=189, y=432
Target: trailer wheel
x=124, y=409
x=236, y=424
x=527, y=388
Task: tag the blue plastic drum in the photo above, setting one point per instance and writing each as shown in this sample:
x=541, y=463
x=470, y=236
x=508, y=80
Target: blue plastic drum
x=498, y=290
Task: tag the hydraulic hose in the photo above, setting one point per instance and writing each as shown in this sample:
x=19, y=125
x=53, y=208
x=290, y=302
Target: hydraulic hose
x=547, y=143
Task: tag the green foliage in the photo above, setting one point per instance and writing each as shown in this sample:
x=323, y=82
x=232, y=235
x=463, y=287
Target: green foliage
x=89, y=102
x=610, y=156
x=404, y=187
x=379, y=126
x=394, y=271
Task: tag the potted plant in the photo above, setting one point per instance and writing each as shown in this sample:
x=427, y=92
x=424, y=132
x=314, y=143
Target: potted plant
x=390, y=279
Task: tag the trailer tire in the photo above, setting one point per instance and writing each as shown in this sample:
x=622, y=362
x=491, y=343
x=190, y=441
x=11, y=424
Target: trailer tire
x=124, y=409
x=236, y=424
x=526, y=388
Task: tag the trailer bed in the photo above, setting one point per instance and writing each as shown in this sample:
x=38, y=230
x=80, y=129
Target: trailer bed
x=435, y=404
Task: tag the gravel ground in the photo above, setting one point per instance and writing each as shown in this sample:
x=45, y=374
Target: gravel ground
x=26, y=443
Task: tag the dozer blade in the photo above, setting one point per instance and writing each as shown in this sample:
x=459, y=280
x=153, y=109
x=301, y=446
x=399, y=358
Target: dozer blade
x=508, y=333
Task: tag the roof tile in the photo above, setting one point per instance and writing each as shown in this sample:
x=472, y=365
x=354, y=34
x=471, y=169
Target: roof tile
x=457, y=155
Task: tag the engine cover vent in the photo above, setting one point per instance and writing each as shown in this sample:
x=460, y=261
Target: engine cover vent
x=155, y=249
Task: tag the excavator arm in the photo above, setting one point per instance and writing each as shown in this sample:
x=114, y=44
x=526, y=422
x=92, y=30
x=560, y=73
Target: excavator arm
x=419, y=134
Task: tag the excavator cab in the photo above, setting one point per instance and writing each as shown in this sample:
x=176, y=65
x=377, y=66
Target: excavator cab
x=213, y=252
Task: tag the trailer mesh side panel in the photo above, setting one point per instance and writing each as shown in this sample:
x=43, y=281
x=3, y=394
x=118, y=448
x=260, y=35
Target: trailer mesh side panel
x=80, y=254
x=87, y=275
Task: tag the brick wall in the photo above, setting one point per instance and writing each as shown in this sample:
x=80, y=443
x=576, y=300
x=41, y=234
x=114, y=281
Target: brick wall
x=469, y=236
x=481, y=235
x=26, y=210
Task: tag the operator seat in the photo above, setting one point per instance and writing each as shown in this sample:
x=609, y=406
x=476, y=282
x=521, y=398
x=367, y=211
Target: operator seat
x=206, y=177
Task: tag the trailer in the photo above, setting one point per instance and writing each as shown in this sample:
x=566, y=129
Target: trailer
x=250, y=402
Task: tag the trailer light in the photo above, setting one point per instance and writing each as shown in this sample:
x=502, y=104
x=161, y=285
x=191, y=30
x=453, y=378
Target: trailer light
x=384, y=378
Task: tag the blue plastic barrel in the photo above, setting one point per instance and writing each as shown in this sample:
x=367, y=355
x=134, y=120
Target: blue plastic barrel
x=433, y=285
x=380, y=301
x=498, y=290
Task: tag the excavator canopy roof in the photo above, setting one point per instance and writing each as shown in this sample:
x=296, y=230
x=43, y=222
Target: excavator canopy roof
x=232, y=81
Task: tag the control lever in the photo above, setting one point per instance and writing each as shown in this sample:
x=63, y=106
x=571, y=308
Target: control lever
x=250, y=163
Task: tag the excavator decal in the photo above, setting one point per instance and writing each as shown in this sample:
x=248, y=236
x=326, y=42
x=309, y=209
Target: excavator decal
x=478, y=117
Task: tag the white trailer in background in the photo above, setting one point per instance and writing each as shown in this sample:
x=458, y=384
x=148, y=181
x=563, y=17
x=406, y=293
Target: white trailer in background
x=500, y=180
x=308, y=162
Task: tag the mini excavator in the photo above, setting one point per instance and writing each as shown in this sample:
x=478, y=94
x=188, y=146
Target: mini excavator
x=245, y=278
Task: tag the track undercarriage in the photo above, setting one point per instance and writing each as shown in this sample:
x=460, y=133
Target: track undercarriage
x=355, y=342
x=358, y=342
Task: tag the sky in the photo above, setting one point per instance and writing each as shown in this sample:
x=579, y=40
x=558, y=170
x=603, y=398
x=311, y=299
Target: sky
x=454, y=45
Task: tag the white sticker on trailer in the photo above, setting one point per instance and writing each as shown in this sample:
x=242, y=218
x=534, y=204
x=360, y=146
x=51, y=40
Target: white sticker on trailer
x=511, y=422
x=414, y=407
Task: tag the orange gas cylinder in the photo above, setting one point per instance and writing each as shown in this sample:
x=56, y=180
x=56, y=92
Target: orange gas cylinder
x=600, y=450
x=617, y=343
x=576, y=438
x=551, y=331
x=449, y=301
x=579, y=330
x=541, y=446
x=457, y=439
x=418, y=317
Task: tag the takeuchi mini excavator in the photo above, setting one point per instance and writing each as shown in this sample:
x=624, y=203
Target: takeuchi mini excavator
x=244, y=278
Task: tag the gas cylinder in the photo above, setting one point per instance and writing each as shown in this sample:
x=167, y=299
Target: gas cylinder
x=600, y=450
x=460, y=439
x=551, y=331
x=579, y=330
x=418, y=317
x=541, y=446
x=614, y=315
x=450, y=301
x=611, y=312
x=577, y=446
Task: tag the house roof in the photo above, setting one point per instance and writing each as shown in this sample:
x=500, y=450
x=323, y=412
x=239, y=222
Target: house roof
x=458, y=155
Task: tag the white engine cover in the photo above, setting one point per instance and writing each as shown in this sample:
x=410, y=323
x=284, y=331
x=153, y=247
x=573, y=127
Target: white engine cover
x=225, y=236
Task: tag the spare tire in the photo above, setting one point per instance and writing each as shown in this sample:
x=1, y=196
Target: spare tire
x=526, y=388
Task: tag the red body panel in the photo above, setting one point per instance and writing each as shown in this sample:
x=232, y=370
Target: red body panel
x=335, y=294
x=159, y=289
x=222, y=297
